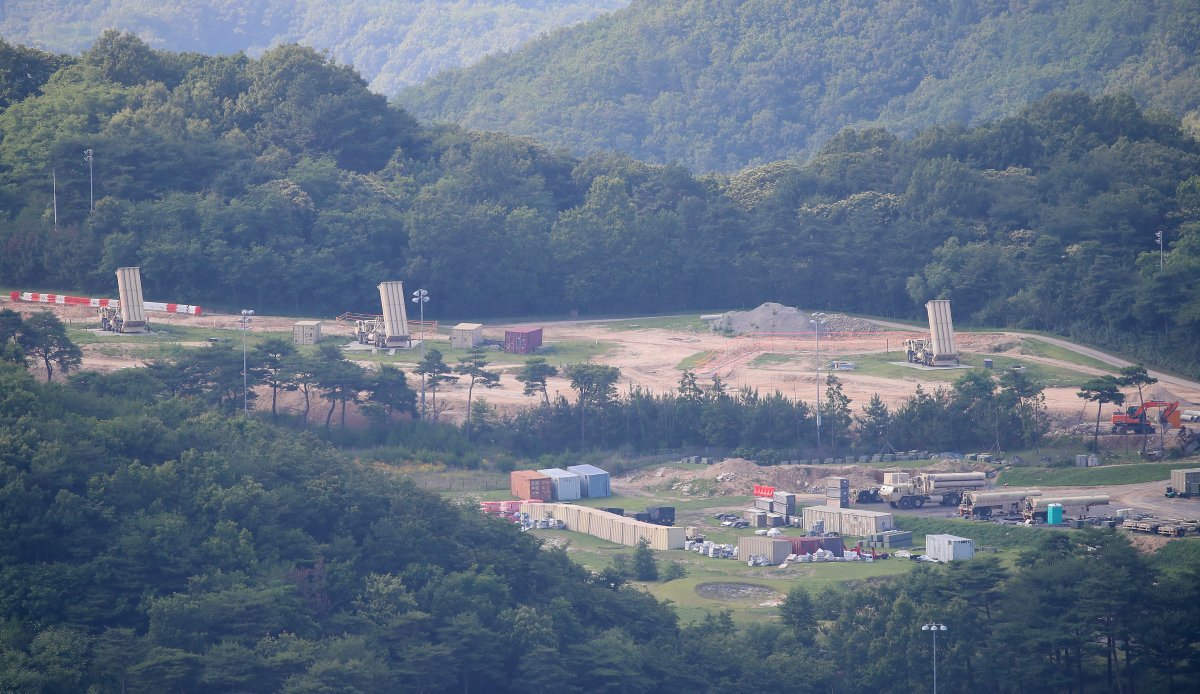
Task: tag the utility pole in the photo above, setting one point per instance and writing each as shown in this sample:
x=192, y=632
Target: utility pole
x=245, y=321
x=87, y=156
x=1158, y=236
x=818, y=319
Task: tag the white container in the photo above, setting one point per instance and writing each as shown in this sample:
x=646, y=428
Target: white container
x=947, y=548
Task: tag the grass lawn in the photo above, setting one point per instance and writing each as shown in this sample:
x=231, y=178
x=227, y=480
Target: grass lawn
x=681, y=323
x=596, y=554
x=985, y=534
x=1088, y=476
x=1036, y=347
x=880, y=365
x=689, y=363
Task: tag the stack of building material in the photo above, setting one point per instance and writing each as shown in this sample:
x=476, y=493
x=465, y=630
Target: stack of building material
x=845, y=521
x=774, y=520
x=618, y=529
x=566, y=484
x=890, y=539
x=785, y=503
x=757, y=518
x=593, y=483
x=527, y=484
x=837, y=492
x=776, y=550
x=764, y=505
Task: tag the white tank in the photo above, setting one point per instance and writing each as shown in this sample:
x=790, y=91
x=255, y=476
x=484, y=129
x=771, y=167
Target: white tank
x=998, y=497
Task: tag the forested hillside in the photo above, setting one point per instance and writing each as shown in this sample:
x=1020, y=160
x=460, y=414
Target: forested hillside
x=393, y=43
x=150, y=545
x=283, y=184
x=720, y=84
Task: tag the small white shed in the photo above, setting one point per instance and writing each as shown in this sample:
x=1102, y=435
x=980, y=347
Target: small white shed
x=466, y=335
x=947, y=548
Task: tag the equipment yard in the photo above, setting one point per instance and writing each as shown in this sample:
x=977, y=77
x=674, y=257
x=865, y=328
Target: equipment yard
x=869, y=356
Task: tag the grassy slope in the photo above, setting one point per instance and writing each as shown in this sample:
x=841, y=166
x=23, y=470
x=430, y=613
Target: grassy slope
x=1088, y=476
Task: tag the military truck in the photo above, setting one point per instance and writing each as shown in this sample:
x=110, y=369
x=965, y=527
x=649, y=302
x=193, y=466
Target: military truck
x=902, y=490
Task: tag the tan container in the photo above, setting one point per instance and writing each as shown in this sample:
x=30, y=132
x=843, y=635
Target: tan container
x=617, y=529
x=466, y=335
x=776, y=550
x=847, y=521
x=306, y=332
x=895, y=479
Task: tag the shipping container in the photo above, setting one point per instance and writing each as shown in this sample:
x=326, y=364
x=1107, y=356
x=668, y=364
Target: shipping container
x=776, y=550
x=808, y=545
x=948, y=548
x=846, y=521
x=594, y=482
x=522, y=340
x=306, y=332
x=466, y=335
x=527, y=484
x=566, y=484
x=1181, y=480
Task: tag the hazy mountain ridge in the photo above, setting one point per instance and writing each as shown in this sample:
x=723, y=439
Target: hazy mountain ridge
x=717, y=85
x=392, y=44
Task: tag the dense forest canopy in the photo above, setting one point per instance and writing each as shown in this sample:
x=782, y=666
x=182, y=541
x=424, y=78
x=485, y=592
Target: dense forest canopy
x=392, y=43
x=721, y=84
x=149, y=543
x=284, y=184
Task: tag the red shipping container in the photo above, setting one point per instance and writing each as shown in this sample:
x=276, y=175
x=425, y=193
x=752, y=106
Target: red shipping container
x=808, y=545
x=522, y=340
x=529, y=484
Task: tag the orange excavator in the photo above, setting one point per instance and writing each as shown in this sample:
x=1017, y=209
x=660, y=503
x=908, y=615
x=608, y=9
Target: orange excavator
x=1134, y=419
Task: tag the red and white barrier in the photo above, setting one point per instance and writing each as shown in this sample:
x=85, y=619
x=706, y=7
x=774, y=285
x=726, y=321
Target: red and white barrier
x=63, y=300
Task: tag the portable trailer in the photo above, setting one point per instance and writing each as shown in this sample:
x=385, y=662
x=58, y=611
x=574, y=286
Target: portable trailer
x=1001, y=503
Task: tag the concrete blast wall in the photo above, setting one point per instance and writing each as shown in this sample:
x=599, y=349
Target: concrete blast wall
x=941, y=332
x=395, y=313
x=133, y=306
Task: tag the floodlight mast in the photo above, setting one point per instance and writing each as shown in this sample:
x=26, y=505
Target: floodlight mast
x=818, y=319
x=934, y=628
x=245, y=323
x=420, y=298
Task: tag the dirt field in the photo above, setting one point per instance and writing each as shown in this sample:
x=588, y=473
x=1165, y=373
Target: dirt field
x=651, y=357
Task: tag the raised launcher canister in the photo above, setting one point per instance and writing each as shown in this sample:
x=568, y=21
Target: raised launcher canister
x=941, y=333
x=1001, y=503
x=133, y=306
x=395, y=316
x=1072, y=506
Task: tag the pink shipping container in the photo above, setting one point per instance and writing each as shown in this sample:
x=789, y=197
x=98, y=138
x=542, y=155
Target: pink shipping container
x=808, y=545
x=522, y=340
x=529, y=484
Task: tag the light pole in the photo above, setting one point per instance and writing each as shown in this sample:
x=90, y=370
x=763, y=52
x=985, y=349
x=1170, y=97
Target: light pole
x=1158, y=236
x=87, y=156
x=245, y=321
x=818, y=319
x=934, y=628
x=420, y=298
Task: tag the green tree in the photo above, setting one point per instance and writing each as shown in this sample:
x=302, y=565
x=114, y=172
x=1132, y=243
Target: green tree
x=1135, y=375
x=835, y=412
x=44, y=337
x=473, y=366
x=10, y=333
x=644, y=566
x=1102, y=390
x=533, y=374
x=873, y=424
x=799, y=613
x=341, y=381
x=596, y=385
x=388, y=390
x=434, y=372
x=273, y=353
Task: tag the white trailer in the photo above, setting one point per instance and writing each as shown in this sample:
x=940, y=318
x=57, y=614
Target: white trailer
x=395, y=316
x=941, y=333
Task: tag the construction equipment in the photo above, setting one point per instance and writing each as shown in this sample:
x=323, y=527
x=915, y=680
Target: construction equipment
x=1134, y=419
x=110, y=319
x=370, y=331
x=1001, y=503
x=902, y=491
x=920, y=351
x=868, y=495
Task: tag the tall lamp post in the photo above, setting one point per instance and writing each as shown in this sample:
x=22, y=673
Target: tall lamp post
x=87, y=156
x=818, y=319
x=420, y=298
x=934, y=628
x=1158, y=236
x=245, y=323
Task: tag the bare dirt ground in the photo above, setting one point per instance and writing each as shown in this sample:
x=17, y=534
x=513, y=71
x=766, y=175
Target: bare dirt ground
x=650, y=358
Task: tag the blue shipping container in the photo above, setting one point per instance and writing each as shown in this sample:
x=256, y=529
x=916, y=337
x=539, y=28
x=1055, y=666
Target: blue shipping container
x=594, y=482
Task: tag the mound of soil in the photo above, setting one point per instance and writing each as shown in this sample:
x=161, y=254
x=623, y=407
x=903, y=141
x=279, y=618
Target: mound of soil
x=777, y=318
